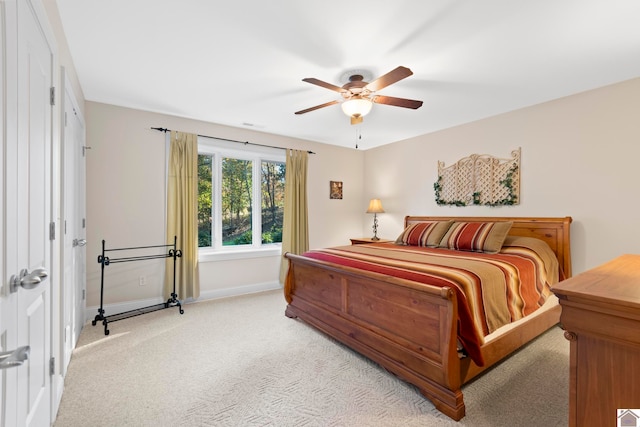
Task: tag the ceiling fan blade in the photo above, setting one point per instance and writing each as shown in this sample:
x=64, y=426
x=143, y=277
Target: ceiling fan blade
x=390, y=78
x=323, y=84
x=317, y=107
x=397, y=102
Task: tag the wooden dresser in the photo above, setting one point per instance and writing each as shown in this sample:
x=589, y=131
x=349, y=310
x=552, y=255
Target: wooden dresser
x=601, y=319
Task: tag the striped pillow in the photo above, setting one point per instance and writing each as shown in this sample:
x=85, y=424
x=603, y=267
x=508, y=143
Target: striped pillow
x=426, y=234
x=476, y=236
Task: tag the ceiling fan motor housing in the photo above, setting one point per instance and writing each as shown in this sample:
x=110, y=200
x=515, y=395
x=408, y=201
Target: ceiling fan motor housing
x=355, y=88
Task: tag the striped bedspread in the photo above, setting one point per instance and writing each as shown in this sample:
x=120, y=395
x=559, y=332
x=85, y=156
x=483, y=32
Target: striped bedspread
x=493, y=290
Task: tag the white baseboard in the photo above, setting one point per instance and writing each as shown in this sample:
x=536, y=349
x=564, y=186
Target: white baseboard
x=239, y=290
x=110, y=309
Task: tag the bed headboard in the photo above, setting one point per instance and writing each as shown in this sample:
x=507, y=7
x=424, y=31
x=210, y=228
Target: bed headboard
x=554, y=231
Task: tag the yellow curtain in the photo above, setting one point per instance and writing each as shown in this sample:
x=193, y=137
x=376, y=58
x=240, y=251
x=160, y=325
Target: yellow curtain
x=295, y=228
x=182, y=215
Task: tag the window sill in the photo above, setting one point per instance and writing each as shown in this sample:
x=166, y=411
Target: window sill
x=239, y=253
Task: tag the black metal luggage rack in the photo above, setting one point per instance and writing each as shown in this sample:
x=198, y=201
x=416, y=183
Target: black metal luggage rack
x=104, y=260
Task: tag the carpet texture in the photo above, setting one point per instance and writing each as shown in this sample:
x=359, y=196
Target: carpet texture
x=241, y=362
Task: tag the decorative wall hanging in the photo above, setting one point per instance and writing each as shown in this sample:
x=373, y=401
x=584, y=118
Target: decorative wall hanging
x=335, y=189
x=479, y=180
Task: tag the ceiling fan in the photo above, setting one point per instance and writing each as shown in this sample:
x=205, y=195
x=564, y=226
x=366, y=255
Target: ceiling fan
x=359, y=96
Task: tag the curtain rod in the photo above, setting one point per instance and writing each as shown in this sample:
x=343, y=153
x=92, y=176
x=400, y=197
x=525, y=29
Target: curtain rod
x=165, y=130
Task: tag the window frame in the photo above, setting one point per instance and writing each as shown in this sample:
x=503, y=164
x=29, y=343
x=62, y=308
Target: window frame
x=256, y=154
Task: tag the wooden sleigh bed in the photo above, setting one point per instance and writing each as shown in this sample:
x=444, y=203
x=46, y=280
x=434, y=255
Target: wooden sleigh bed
x=412, y=329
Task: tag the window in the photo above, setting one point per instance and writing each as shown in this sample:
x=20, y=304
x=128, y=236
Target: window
x=272, y=186
x=240, y=196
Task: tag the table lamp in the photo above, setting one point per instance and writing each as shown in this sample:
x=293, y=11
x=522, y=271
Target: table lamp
x=375, y=207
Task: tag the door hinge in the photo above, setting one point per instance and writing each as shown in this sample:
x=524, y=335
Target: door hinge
x=52, y=366
x=52, y=231
x=52, y=95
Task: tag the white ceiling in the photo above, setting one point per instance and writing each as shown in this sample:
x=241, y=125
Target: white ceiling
x=241, y=63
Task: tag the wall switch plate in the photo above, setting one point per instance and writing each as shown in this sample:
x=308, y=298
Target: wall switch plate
x=142, y=281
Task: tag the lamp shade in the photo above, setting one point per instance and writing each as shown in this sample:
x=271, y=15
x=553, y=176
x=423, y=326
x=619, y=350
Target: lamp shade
x=357, y=107
x=375, y=206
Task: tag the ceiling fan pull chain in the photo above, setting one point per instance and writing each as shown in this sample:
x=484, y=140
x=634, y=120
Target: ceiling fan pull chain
x=358, y=136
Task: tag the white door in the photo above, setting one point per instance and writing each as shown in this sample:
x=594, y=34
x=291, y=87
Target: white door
x=33, y=216
x=73, y=223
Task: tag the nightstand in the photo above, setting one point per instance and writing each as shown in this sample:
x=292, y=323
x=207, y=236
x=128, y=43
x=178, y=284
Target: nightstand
x=361, y=240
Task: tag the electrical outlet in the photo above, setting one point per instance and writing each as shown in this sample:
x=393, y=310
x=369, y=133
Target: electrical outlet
x=142, y=281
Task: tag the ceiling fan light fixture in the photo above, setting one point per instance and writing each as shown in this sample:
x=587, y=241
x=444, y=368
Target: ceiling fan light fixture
x=357, y=107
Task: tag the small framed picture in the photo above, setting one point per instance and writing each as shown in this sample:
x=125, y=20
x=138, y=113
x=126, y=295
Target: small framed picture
x=335, y=189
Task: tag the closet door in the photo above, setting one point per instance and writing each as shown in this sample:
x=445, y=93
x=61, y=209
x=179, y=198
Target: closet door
x=25, y=303
x=34, y=214
x=73, y=224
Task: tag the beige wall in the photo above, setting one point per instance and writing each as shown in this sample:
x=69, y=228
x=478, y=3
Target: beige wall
x=126, y=202
x=580, y=158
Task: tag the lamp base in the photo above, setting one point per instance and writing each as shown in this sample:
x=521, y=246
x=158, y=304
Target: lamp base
x=375, y=227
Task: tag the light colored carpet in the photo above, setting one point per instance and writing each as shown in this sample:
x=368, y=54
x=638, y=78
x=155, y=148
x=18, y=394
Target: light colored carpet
x=241, y=362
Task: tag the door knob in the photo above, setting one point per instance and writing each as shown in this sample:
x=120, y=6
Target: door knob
x=41, y=273
x=78, y=242
x=10, y=359
x=27, y=280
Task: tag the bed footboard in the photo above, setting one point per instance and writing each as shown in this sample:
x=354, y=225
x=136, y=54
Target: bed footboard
x=407, y=327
